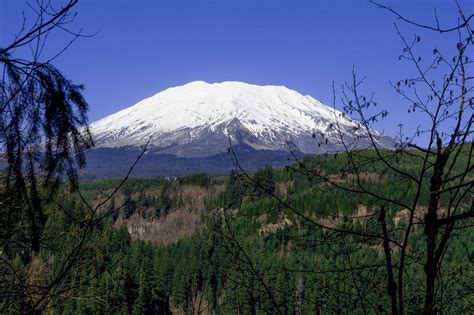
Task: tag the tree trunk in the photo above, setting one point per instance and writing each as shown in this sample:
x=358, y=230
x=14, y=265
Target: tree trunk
x=431, y=232
x=391, y=285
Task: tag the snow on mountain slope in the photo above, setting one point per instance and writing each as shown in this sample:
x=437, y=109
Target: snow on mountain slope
x=197, y=119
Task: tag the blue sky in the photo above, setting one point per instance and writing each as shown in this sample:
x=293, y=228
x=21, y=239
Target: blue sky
x=141, y=47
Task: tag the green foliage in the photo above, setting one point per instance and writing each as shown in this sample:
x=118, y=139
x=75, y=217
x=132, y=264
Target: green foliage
x=234, y=191
x=263, y=184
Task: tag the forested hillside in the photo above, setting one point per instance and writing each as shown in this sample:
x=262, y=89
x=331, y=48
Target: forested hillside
x=280, y=241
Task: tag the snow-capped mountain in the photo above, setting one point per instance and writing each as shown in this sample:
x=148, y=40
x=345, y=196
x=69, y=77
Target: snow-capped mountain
x=197, y=120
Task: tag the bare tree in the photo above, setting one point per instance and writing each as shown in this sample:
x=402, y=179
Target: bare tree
x=441, y=89
x=438, y=182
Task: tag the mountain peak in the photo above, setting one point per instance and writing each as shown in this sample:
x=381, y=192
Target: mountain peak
x=193, y=119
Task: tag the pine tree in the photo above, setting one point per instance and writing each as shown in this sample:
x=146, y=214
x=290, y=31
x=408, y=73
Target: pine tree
x=234, y=191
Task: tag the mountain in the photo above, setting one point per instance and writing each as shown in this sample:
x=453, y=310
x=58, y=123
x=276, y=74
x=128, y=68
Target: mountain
x=190, y=128
x=198, y=119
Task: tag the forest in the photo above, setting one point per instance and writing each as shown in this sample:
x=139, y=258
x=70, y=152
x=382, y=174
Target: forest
x=232, y=244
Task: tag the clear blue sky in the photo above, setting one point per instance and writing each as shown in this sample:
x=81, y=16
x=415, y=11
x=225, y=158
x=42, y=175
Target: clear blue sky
x=142, y=47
